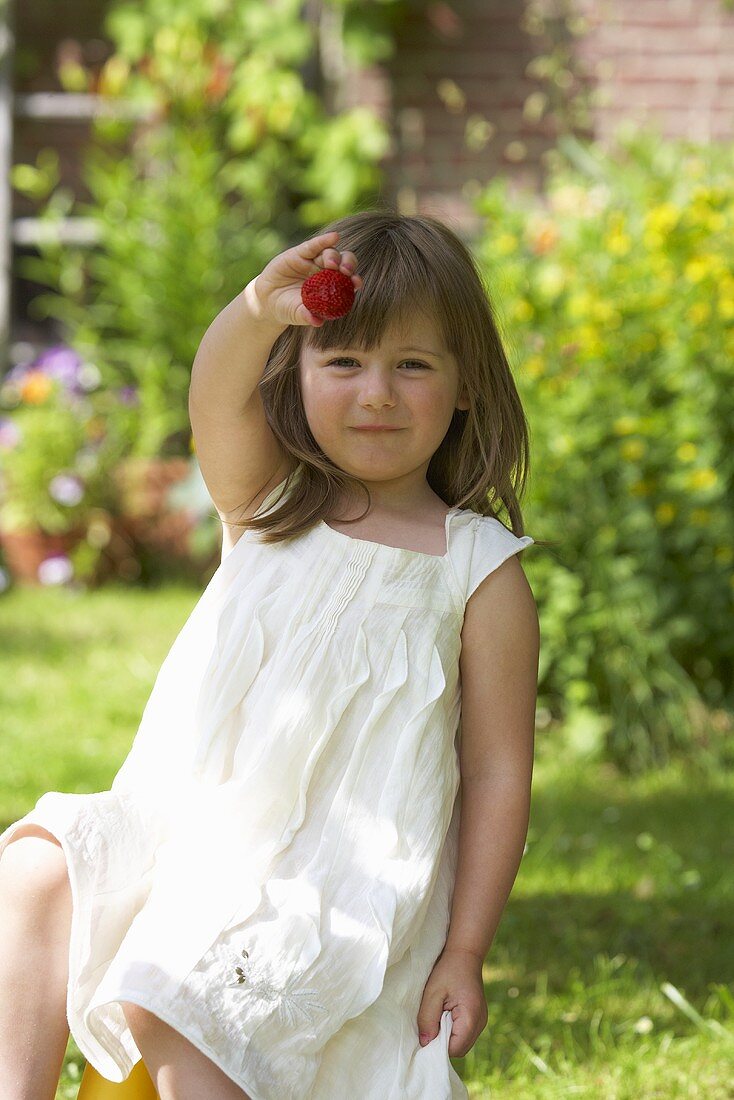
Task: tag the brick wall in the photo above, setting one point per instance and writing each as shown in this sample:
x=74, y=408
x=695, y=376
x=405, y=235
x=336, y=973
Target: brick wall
x=459, y=83
x=462, y=68
x=671, y=61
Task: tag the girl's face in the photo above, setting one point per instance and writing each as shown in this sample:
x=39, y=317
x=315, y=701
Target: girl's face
x=412, y=391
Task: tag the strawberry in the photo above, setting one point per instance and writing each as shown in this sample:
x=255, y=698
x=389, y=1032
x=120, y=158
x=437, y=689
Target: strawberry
x=328, y=293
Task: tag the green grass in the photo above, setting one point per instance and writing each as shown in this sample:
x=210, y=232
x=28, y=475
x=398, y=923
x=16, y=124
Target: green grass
x=607, y=978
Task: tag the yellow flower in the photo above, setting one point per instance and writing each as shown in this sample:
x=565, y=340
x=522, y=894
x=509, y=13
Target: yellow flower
x=699, y=311
x=591, y=344
x=710, y=195
x=703, y=478
x=505, y=243
x=617, y=243
x=700, y=516
x=632, y=449
x=534, y=366
x=522, y=310
x=696, y=269
x=603, y=311
x=192, y=445
x=724, y=554
x=623, y=425
x=640, y=488
x=687, y=452
x=725, y=308
x=579, y=304
x=665, y=512
x=662, y=218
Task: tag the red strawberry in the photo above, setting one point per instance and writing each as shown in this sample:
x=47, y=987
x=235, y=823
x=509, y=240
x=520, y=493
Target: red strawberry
x=328, y=293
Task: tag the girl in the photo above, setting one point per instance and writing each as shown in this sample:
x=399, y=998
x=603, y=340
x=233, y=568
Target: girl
x=291, y=886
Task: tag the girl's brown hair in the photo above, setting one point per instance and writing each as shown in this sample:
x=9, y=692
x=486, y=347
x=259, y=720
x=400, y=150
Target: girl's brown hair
x=409, y=264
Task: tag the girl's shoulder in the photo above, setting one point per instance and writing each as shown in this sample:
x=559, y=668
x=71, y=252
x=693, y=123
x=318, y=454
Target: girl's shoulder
x=484, y=544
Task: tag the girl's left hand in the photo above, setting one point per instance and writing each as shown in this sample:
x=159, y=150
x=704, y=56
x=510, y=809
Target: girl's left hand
x=454, y=983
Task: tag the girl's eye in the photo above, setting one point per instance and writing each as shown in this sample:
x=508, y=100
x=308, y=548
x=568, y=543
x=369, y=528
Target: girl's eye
x=414, y=362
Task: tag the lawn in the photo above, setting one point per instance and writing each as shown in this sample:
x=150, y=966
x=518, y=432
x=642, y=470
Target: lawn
x=610, y=976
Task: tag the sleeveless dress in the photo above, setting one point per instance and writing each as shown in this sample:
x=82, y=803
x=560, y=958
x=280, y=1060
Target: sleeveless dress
x=271, y=872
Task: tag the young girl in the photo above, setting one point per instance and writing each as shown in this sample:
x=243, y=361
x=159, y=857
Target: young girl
x=290, y=889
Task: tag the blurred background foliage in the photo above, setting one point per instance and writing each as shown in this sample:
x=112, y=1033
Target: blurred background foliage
x=617, y=298
x=231, y=159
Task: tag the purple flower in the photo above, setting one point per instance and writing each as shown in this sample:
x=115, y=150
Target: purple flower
x=128, y=395
x=66, y=489
x=63, y=364
x=59, y=362
x=55, y=570
x=9, y=434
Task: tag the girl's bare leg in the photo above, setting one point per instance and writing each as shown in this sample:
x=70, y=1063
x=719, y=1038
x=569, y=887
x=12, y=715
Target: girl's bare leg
x=178, y=1069
x=35, y=919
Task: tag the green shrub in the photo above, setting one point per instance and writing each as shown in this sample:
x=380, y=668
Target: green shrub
x=616, y=292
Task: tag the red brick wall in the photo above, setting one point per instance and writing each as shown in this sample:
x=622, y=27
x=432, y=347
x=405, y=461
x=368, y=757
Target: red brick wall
x=460, y=70
x=667, y=60
x=664, y=62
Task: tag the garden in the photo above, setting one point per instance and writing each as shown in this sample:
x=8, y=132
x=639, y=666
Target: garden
x=614, y=289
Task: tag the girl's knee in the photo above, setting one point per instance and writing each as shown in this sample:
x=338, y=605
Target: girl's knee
x=33, y=869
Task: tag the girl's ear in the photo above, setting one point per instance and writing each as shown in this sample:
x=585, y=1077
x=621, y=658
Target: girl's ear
x=462, y=401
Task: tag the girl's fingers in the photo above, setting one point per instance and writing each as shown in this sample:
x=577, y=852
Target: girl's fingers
x=308, y=317
x=311, y=249
x=320, y=253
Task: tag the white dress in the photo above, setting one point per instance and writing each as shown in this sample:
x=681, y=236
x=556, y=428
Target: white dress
x=271, y=871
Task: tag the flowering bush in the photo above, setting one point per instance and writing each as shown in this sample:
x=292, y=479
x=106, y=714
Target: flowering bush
x=59, y=438
x=617, y=295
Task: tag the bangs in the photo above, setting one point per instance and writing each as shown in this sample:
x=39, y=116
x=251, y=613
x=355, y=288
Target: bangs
x=397, y=287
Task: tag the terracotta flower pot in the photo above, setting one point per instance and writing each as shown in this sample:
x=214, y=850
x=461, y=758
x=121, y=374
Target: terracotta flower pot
x=27, y=549
x=161, y=532
x=143, y=485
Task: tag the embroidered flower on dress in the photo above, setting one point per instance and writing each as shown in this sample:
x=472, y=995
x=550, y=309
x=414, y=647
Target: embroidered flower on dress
x=293, y=1006
x=239, y=971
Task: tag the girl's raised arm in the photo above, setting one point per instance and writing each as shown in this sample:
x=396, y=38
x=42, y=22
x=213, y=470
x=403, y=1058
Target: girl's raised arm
x=239, y=457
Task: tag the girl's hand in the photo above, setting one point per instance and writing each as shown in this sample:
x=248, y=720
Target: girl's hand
x=456, y=983
x=277, y=289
